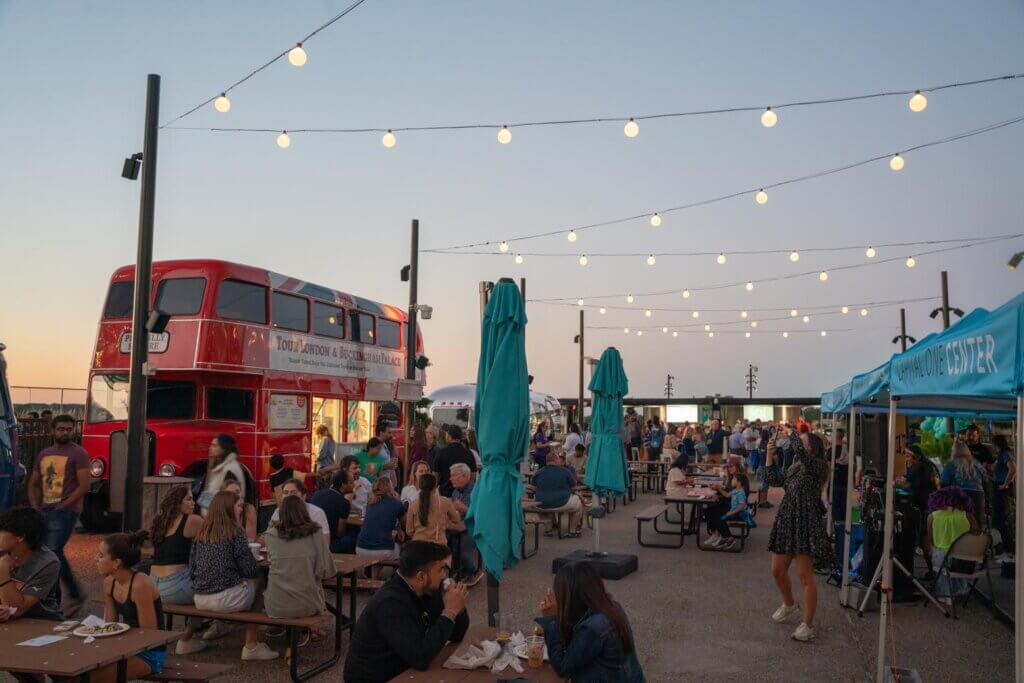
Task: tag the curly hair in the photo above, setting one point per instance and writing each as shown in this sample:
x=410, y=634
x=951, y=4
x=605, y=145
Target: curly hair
x=170, y=507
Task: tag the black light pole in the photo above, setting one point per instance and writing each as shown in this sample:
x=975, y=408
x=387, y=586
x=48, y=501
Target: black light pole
x=410, y=341
x=903, y=337
x=946, y=309
x=579, y=412
x=137, y=442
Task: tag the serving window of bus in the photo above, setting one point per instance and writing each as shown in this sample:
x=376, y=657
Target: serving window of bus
x=346, y=421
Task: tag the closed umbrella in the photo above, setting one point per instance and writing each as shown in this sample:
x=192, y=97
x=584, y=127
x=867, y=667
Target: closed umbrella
x=502, y=416
x=606, y=464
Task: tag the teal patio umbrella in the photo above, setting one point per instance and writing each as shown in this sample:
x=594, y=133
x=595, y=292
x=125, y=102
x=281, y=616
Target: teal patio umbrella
x=502, y=421
x=606, y=463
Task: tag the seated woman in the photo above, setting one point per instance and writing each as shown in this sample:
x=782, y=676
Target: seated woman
x=714, y=513
x=411, y=491
x=586, y=632
x=246, y=514
x=432, y=516
x=951, y=516
x=172, y=531
x=224, y=571
x=739, y=491
x=383, y=515
x=677, y=481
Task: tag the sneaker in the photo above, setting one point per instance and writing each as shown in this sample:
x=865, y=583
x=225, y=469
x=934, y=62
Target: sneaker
x=803, y=633
x=259, y=653
x=727, y=544
x=713, y=540
x=190, y=646
x=475, y=578
x=218, y=629
x=783, y=613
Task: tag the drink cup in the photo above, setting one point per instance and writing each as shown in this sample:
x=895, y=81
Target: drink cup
x=535, y=652
x=254, y=548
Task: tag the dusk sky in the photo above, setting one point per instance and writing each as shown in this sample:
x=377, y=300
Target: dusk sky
x=335, y=209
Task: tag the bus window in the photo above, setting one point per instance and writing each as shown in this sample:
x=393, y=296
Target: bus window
x=180, y=296
x=328, y=320
x=361, y=325
x=359, y=421
x=389, y=334
x=229, y=404
x=108, y=399
x=119, y=300
x=237, y=300
x=289, y=312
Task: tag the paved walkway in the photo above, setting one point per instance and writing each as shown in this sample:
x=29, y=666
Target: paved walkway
x=704, y=616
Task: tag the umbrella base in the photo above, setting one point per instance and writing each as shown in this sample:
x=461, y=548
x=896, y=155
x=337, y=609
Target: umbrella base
x=608, y=565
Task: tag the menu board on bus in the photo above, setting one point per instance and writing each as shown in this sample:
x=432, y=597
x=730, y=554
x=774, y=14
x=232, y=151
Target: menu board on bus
x=318, y=355
x=287, y=411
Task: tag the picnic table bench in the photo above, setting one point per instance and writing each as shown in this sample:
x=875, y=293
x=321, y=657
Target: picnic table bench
x=189, y=671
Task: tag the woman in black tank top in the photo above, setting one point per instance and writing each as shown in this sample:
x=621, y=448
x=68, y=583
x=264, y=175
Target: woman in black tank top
x=172, y=531
x=131, y=598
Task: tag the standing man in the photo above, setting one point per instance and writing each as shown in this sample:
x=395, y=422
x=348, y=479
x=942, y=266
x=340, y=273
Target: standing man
x=635, y=433
x=372, y=460
x=453, y=453
x=657, y=438
x=387, y=449
x=60, y=480
x=979, y=450
x=716, y=442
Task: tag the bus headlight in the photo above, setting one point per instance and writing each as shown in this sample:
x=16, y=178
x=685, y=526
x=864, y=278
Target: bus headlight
x=167, y=470
x=97, y=468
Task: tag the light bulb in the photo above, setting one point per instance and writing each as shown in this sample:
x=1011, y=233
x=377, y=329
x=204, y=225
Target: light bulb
x=844, y=310
x=695, y=314
x=519, y=259
x=769, y=118
x=579, y=302
x=388, y=139
x=823, y=275
x=824, y=333
x=761, y=197
x=743, y=314
x=674, y=333
x=686, y=294
x=753, y=323
x=793, y=313
x=283, y=141
x=571, y=236
x=629, y=298
x=664, y=330
x=750, y=286
x=896, y=163
x=651, y=260
x=631, y=129
x=863, y=311
x=707, y=328
x=721, y=259
x=639, y=333
x=503, y=247
x=911, y=262
x=648, y=313
x=626, y=330
x=504, y=135
x=871, y=253
x=794, y=256
x=918, y=102
x=807, y=318
x=711, y=334
x=583, y=260
x=602, y=310
x=785, y=335
x=222, y=104
x=297, y=56
x=747, y=335
x=655, y=221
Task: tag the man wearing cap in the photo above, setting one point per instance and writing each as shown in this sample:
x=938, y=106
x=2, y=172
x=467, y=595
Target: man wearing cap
x=453, y=452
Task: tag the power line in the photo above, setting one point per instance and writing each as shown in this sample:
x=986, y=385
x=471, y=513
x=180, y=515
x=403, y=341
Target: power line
x=732, y=195
x=258, y=69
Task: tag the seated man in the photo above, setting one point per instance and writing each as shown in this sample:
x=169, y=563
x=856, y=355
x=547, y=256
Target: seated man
x=29, y=573
x=361, y=486
x=577, y=459
x=294, y=487
x=337, y=508
x=408, y=621
x=462, y=490
x=554, y=485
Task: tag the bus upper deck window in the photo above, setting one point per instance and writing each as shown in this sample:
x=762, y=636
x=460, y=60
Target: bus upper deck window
x=180, y=295
x=120, y=300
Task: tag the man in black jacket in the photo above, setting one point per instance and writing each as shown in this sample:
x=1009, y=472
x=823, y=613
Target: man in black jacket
x=454, y=452
x=410, y=619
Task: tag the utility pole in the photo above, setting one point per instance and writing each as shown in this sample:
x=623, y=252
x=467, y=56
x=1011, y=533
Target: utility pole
x=410, y=341
x=138, y=450
x=946, y=309
x=668, y=385
x=903, y=337
x=751, y=379
x=579, y=405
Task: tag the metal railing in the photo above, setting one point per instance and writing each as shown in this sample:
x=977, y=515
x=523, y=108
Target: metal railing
x=55, y=399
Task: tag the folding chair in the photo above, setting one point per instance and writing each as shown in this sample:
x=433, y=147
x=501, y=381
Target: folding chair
x=966, y=559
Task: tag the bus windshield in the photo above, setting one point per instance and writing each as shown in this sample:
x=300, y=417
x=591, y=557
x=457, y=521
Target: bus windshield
x=108, y=399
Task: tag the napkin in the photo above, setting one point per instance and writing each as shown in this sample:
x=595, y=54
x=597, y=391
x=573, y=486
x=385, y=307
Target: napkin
x=474, y=656
x=507, y=659
x=92, y=620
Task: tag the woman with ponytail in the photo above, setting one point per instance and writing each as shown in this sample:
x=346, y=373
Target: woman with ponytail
x=173, y=529
x=130, y=598
x=432, y=515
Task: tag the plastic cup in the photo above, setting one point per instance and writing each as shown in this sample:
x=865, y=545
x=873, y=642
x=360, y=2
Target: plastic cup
x=535, y=651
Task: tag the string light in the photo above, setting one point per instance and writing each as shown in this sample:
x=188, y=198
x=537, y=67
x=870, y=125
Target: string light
x=793, y=313
x=769, y=118
x=707, y=328
x=807, y=318
x=761, y=197
x=664, y=330
x=388, y=139
x=571, y=236
x=747, y=335
x=823, y=275
x=871, y=253
x=283, y=141
x=639, y=333
x=519, y=259
x=674, y=333
x=824, y=333
x=583, y=260
x=686, y=294
x=896, y=163
x=504, y=135
x=629, y=298
x=911, y=262
x=651, y=260
x=602, y=310
x=579, y=302
x=503, y=247
x=794, y=256
x=750, y=286
x=710, y=335
x=844, y=310
x=297, y=56
x=753, y=323
x=695, y=314
x=648, y=313
x=631, y=129
x=222, y=104
x=785, y=335
x=743, y=315
x=721, y=259
x=655, y=221
x=863, y=312
x=626, y=330
x=918, y=102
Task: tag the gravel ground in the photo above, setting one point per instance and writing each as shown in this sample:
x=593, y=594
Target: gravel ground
x=704, y=616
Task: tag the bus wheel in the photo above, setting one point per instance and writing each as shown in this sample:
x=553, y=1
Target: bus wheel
x=95, y=515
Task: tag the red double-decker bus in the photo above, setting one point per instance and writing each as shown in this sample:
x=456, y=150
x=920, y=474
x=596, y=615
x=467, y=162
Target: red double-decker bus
x=261, y=356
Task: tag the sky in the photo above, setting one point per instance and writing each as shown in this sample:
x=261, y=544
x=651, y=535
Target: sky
x=335, y=210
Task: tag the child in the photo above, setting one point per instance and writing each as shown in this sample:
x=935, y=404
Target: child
x=738, y=510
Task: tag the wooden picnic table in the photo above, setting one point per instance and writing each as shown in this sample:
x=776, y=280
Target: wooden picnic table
x=438, y=674
x=71, y=657
x=697, y=502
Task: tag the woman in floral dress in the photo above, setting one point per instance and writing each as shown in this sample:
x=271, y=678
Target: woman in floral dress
x=799, y=530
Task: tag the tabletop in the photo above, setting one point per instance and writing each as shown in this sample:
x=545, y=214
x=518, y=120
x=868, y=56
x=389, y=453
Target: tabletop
x=71, y=656
x=437, y=674
x=351, y=563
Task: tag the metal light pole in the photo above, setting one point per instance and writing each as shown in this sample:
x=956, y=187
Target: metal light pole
x=137, y=390
x=410, y=341
x=579, y=412
x=946, y=309
x=903, y=337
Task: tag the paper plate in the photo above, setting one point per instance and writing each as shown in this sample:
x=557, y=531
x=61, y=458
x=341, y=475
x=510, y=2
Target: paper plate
x=109, y=629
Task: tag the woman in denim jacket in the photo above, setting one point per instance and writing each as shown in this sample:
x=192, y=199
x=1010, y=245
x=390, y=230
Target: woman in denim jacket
x=587, y=634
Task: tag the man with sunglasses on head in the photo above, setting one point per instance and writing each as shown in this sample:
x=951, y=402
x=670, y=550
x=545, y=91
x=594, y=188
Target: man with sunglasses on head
x=410, y=619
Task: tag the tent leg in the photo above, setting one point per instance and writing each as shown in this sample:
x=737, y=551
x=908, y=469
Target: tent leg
x=890, y=495
x=493, y=606
x=851, y=466
x=831, y=480
x=1018, y=609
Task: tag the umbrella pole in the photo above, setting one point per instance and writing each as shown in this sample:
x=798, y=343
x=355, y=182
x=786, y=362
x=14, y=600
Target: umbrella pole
x=493, y=606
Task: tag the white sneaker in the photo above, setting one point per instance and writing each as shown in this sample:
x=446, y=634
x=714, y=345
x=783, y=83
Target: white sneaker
x=261, y=652
x=783, y=612
x=190, y=646
x=803, y=633
x=218, y=629
x=713, y=541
